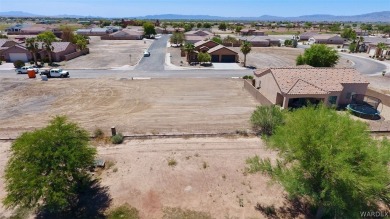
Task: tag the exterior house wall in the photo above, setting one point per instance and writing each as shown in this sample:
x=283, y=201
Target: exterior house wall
x=59, y=56
x=16, y=49
x=224, y=51
x=268, y=87
x=349, y=89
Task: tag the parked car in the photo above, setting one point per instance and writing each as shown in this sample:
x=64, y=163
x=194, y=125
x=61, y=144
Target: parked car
x=55, y=73
x=23, y=70
x=146, y=53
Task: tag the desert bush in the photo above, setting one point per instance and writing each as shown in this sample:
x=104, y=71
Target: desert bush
x=18, y=63
x=248, y=77
x=117, y=139
x=123, y=212
x=98, y=133
x=266, y=118
x=172, y=162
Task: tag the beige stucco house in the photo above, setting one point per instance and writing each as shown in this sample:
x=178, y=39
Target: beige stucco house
x=218, y=53
x=289, y=87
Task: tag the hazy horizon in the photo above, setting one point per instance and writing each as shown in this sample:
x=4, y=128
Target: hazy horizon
x=223, y=8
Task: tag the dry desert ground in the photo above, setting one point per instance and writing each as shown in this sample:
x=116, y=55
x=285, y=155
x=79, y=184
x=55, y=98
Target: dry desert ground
x=209, y=176
x=154, y=106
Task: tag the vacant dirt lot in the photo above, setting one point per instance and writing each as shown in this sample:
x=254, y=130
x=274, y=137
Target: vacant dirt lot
x=106, y=54
x=208, y=177
x=261, y=57
x=133, y=106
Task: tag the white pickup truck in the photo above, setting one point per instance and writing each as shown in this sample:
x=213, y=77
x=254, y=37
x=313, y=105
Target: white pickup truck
x=55, y=73
x=23, y=70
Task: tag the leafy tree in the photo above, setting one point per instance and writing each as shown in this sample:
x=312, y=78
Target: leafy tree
x=331, y=161
x=206, y=25
x=289, y=26
x=217, y=39
x=33, y=46
x=189, y=48
x=348, y=33
x=222, y=26
x=265, y=119
x=164, y=26
x=319, y=55
x=80, y=41
x=204, y=57
x=67, y=34
x=187, y=27
x=358, y=41
x=238, y=29
x=47, y=38
x=321, y=26
x=288, y=42
x=149, y=29
x=246, y=48
x=230, y=39
x=335, y=27
x=177, y=38
x=3, y=36
x=199, y=25
x=47, y=166
x=352, y=47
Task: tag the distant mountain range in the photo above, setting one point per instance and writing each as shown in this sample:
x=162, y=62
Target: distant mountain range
x=383, y=16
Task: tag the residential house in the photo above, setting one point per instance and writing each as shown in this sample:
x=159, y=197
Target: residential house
x=252, y=32
x=360, y=32
x=20, y=52
x=16, y=52
x=5, y=44
x=218, y=53
x=60, y=49
x=261, y=41
x=195, y=36
x=16, y=27
x=327, y=39
x=125, y=34
x=372, y=42
x=307, y=35
x=169, y=30
x=94, y=31
x=291, y=87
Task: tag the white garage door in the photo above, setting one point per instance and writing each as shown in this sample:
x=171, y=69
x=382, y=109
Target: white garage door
x=372, y=52
x=18, y=56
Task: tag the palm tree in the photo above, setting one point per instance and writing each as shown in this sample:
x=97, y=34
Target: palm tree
x=33, y=46
x=189, y=48
x=48, y=47
x=379, y=48
x=245, y=49
x=359, y=40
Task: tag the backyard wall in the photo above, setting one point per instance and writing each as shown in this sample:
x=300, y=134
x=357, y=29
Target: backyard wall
x=256, y=94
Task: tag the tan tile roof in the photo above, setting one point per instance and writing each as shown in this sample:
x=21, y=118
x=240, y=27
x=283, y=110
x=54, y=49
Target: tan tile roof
x=216, y=48
x=312, y=80
x=60, y=46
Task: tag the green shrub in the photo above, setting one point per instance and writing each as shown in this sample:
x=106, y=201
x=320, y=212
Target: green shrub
x=248, y=77
x=117, y=139
x=123, y=212
x=266, y=118
x=254, y=164
x=98, y=133
x=18, y=64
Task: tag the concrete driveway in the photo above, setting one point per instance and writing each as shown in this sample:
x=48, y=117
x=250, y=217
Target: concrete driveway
x=156, y=60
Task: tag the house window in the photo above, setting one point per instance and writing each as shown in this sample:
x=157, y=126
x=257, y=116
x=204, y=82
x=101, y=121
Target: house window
x=332, y=100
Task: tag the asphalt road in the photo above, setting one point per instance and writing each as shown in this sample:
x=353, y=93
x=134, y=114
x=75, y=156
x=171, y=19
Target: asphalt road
x=364, y=66
x=153, y=67
x=156, y=60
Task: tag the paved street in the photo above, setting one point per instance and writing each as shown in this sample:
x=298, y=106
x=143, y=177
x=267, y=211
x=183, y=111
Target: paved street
x=156, y=60
x=153, y=67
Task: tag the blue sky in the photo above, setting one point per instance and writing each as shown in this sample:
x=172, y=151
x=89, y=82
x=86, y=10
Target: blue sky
x=236, y=8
